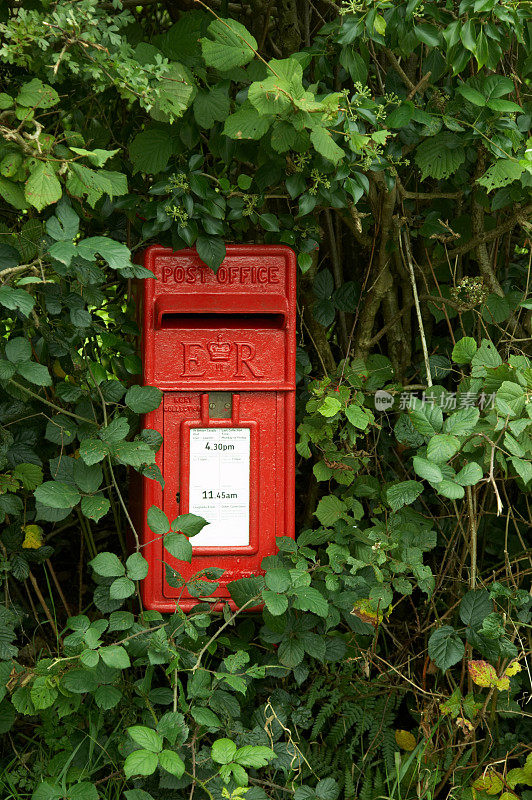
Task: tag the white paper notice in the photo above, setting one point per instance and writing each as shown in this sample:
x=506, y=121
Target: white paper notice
x=219, y=485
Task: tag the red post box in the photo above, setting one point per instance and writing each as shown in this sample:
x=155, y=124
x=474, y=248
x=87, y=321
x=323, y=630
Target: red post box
x=221, y=347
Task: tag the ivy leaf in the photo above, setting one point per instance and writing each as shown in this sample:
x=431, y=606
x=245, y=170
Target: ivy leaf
x=231, y=45
x=445, y=647
x=42, y=187
x=211, y=250
x=57, y=494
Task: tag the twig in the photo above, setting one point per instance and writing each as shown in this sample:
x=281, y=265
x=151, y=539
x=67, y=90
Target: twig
x=408, y=254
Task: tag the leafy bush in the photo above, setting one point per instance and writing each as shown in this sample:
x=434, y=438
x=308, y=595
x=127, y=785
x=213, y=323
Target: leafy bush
x=387, y=144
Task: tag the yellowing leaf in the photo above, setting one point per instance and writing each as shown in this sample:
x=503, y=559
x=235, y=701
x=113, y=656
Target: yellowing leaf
x=513, y=668
x=363, y=609
x=482, y=673
x=491, y=783
x=33, y=537
x=405, y=740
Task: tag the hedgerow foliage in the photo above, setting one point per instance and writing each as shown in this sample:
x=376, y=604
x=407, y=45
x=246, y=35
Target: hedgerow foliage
x=386, y=143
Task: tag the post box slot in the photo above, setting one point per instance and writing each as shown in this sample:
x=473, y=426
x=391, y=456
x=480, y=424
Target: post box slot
x=217, y=319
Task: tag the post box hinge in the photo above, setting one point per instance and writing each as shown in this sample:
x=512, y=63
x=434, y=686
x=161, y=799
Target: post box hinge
x=220, y=405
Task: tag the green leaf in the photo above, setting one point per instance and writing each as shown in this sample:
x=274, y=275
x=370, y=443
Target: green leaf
x=30, y=475
x=57, y=494
x=253, y=756
x=223, y=751
x=357, y=416
x=115, y=656
x=402, y=494
x=330, y=509
x=472, y=95
x=475, y=606
x=175, y=92
x=189, y=524
x=116, y=431
x=325, y=145
x=505, y=106
x=427, y=470
x=329, y=406
x=439, y=156
x=16, y=299
x=230, y=45
x=42, y=187
x=18, y=350
x=211, y=250
x=450, y=489
x=468, y=35
x=426, y=418
x=158, y=521
x=115, y=253
x=464, y=350
x=276, y=604
x=137, y=567
x=503, y=172
x=37, y=94
x=88, y=479
x=307, y=598
x=108, y=565
x=462, y=422
x=290, y=652
x=146, y=738
x=143, y=399
x=510, y=399
x=13, y=194
x=245, y=589
x=428, y=34
x=445, y=647
x=401, y=116
x=178, y=546
x=171, y=762
x=150, y=150
x=121, y=589
x=442, y=447
x=206, y=717
x=136, y=453
x=92, y=451
x=35, y=373
x=95, y=507
x=278, y=579
x=470, y=474
x=212, y=106
x=246, y=123
x=140, y=762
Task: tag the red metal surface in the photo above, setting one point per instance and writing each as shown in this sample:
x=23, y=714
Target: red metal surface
x=235, y=332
